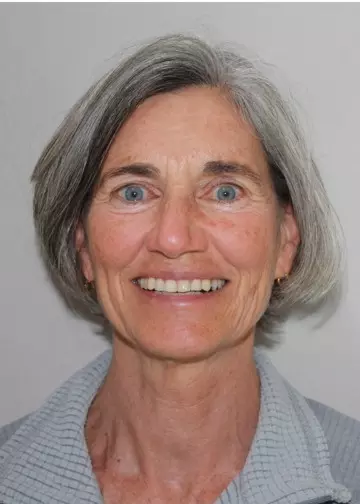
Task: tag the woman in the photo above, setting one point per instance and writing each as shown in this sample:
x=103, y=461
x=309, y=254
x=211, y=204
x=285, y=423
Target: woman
x=179, y=202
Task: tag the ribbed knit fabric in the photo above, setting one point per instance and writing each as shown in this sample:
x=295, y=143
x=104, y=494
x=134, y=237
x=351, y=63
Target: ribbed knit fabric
x=44, y=458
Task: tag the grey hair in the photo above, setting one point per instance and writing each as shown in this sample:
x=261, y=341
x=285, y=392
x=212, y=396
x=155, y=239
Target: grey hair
x=68, y=169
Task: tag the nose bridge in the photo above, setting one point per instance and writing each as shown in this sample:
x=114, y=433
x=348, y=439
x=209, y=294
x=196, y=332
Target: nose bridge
x=177, y=229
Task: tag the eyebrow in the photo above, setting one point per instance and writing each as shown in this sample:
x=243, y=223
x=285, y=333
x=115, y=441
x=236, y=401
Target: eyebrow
x=138, y=169
x=211, y=168
x=217, y=168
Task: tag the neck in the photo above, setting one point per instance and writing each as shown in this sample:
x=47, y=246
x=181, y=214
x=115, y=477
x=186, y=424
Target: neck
x=175, y=423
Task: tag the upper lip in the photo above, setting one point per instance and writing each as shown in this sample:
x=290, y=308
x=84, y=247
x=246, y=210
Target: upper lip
x=180, y=275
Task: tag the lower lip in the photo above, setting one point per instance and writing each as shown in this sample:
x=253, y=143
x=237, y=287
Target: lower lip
x=185, y=298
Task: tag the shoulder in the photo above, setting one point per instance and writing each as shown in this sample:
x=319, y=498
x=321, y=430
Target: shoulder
x=343, y=438
x=8, y=430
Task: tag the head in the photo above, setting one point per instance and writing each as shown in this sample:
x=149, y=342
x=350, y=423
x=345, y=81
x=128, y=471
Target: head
x=184, y=163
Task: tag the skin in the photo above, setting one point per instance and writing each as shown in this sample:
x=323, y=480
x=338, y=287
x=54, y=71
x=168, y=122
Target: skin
x=176, y=415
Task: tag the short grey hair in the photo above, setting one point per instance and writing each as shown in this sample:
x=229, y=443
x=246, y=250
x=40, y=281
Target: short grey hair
x=68, y=170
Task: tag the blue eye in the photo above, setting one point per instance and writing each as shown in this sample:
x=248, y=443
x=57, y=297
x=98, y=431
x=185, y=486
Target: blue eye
x=133, y=193
x=226, y=193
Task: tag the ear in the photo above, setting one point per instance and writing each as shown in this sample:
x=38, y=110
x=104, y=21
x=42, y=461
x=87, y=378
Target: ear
x=83, y=251
x=289, y=242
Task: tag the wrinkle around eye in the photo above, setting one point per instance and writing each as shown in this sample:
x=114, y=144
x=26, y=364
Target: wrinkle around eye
x=243, y=200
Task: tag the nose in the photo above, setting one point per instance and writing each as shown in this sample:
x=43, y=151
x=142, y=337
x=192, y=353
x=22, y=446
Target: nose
x=177, y=229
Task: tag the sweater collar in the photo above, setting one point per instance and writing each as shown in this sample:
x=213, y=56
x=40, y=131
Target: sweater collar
x=46, y=460
x=288, y=462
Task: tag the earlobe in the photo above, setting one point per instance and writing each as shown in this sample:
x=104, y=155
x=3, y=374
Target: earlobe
x=83, y=253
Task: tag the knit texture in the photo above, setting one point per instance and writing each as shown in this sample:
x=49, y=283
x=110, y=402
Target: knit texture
x=44, y=458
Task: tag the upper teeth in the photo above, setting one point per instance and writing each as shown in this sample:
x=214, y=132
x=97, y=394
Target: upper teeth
x=196, y=285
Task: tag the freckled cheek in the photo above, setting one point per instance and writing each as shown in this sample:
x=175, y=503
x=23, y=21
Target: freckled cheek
x=114, y=241
x=245, y=242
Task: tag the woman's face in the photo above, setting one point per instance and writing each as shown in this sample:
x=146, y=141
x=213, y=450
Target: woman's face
x=185, y=201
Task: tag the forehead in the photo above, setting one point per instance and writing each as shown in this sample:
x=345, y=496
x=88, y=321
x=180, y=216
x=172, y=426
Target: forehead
x=190, y=126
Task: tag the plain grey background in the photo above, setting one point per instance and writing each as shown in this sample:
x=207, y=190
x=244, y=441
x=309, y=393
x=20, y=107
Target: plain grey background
x=51, y=53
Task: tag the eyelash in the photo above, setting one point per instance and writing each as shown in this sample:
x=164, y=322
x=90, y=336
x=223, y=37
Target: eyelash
x=116, y=192
x=239, y=190
x=215, y=186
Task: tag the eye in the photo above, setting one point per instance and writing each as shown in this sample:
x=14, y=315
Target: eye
x=226, y=192
x=133, y=193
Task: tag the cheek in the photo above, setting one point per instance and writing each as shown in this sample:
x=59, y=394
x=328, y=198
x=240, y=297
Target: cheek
x=114, y=240
x=247, y=241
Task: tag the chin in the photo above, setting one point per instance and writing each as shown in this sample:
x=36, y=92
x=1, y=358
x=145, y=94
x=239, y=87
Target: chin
x=179, y=345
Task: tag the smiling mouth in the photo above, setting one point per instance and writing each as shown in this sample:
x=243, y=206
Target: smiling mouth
x=195, y=286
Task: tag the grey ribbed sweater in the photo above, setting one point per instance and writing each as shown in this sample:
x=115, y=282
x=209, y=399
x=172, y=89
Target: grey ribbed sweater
x=303, y=452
